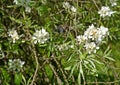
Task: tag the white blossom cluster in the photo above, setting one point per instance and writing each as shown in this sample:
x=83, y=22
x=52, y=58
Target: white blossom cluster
x=15, y=64
x=66, y=5
x=96, y=34
x=64, y=46
x=91, y=47
x=40, y=36
x=113, y=2
x=105, y=11
x=81, y=39
x=92, y=38
x=14, y=35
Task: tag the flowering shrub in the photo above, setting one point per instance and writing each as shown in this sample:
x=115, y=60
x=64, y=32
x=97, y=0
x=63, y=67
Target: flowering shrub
x=60, y=42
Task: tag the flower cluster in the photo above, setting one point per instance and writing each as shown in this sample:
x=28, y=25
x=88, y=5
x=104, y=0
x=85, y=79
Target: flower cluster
x=14, y=35
x=92, y=38
x=66, y=5
x=91, y=47
x=81, y=39
x=40, y=36
x=64, y=47
x=16, y=64
x=73, y=9
x=113, y=2
x=105, y=11
x=96, y=34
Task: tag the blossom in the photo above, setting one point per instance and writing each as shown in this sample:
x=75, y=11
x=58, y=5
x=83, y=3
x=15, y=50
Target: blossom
x=81, y=38
x=92, y=38
x=66, y=5
x=91, y=32
x=105, y=11
x=113, y=2
x=14, y=35
x=28, y=9
x=102, y=32
x=73, y=9
x=96, y=34
x=15, y=1
x=91, y=47
x=15, y=64
x=40, y=36
x=64, y=46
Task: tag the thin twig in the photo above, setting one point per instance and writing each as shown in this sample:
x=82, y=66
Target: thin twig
x=95, y=4
x=59, y=66
x=46, y=79
x=58, y=79
x=36, y=59
x=37, y=65
x=117, y=81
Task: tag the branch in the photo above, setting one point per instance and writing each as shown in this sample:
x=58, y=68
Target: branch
x=36, y=59
x=58, y=79
x=113, y=82
x=37, y=66
x=59, y=66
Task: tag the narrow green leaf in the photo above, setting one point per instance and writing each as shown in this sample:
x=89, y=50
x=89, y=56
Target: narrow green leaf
x=81, y=71
x=68, y=68
x=23, y=78
x=110, y=58
x=79, y=79
x=73, y=69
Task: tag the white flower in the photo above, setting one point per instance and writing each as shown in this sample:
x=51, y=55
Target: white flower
x=102, y=32
x=91, y=32
x=71, y=46
x=96, y=34
x=15, y=1
x=62, y=47
x=40, y=36
x=91, y=47
x=14, y=35
x=66, y=5
x=113, y=2
x=73, y=9
x=105, y=11
x=28, y=9
x=15, y=64
x=80, y=39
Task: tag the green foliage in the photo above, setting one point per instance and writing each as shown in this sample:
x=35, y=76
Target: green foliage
x=46, y=42
x=18, y=78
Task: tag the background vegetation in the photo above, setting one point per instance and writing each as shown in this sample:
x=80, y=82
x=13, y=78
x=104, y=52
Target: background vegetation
x=60, y=60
